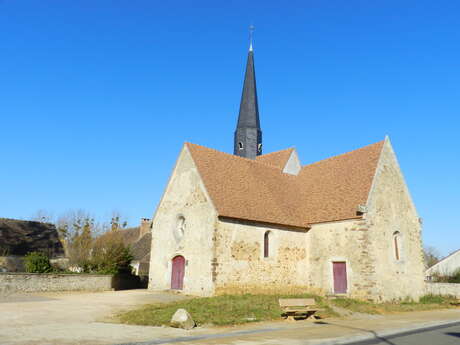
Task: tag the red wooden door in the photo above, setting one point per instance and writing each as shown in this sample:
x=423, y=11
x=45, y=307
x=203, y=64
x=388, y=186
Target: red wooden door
x=177, y=273
x=340, y=277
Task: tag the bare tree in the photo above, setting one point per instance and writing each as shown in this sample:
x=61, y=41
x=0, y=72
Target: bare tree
x=43, y=216
x=431, y=255
x=117, y=221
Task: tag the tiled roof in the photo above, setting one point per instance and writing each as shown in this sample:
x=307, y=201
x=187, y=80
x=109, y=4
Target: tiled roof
x=277, y=159
x=328, y=190
x=141, y=248
x=19, y=237
x=130, y=235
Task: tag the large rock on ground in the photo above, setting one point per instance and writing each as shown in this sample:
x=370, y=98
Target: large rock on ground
x=182, y=319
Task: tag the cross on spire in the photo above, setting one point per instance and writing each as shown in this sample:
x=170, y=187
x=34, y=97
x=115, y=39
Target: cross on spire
x=251, y=33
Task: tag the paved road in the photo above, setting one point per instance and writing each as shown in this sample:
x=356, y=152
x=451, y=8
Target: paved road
x=441, y=335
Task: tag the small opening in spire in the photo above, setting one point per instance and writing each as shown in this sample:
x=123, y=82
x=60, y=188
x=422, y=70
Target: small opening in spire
x=240, y=145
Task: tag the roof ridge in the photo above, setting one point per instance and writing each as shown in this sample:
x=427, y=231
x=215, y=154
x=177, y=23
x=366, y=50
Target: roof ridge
x=26, y=220
x=271, y=153
x=444, y=258
x=249, y=160
x=343, y=154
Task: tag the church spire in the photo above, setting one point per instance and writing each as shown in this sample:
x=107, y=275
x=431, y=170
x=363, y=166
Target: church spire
x=248, y=135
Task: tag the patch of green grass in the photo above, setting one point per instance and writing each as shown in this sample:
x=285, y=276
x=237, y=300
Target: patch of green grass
x=434, y=299
x=219, y=310
x=238, y=309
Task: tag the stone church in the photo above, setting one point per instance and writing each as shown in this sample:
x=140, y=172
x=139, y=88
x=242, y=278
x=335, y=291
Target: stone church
x=253, y=222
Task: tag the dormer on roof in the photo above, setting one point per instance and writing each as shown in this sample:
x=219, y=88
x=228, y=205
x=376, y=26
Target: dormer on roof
x=293, y=165
x=287, y=160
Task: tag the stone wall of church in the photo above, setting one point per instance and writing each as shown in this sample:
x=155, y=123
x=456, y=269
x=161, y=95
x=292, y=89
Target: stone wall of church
x=391, y=214
x=183, y=225
x=348, y=242
x=239, y=264
x=374, y=270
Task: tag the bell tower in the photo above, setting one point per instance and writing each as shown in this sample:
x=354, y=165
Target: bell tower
x=248, y=135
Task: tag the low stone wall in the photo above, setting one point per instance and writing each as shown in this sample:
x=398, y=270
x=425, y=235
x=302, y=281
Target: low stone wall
x=443, y=289
x=34, y=282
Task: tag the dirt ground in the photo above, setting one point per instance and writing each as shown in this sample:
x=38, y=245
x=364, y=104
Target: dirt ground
x=81, y=318
x=76, y=318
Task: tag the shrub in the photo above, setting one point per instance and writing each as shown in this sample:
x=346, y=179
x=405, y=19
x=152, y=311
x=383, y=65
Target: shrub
x=109, y=255
x=37, y=262
x=455, y=277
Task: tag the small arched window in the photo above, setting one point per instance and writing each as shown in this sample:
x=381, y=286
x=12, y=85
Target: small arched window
x=240, y=145
x=397, y=245
x=267, y=244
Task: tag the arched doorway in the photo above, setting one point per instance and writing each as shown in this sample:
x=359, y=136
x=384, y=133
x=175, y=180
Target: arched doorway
x=177, y=272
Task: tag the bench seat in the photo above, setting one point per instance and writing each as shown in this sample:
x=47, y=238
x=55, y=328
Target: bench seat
x=298, y=307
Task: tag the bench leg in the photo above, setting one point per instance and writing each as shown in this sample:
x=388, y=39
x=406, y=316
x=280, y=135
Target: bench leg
x=290, y=318
x=311, y=316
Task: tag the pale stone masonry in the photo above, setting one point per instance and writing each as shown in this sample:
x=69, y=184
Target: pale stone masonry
x=185, y=196
x=40, y=282
x=249, y=222
x=224, y=254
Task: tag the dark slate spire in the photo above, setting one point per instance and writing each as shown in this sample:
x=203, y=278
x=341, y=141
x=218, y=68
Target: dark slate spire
x=248, y=135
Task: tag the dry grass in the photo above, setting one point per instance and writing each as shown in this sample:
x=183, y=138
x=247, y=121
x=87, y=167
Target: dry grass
x=428, y=302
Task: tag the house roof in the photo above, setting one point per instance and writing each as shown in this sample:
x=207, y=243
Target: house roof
x=443, y=260
x=130, y=235
x=141, y=248
x=19, y=237
x=258, y=190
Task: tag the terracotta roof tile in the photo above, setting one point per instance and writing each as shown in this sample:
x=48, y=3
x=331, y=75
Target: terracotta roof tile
x=249, y=189
x=334, y=187
x=277, y=159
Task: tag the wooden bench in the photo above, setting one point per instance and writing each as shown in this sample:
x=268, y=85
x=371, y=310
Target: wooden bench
x=298, y=307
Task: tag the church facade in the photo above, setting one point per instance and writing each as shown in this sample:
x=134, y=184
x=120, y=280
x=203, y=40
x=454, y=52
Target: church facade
x=253, y=222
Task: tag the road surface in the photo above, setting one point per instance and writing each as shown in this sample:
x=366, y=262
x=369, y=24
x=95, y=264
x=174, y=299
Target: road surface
x=440, y=335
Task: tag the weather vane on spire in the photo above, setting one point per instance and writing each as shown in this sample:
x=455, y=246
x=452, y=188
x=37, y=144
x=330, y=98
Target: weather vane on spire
x=251, y=32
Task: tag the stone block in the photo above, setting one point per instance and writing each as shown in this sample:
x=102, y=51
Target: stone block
x=182, y=319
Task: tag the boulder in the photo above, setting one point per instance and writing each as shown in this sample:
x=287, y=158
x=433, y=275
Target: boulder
x=182, y=319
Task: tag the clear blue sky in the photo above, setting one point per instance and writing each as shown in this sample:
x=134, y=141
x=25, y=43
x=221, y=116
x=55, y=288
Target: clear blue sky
x=97, y=97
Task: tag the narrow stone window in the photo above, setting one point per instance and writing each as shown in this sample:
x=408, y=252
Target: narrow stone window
x=179, y=229
x=396, y=244
x=266, y=244
x=240, y=145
